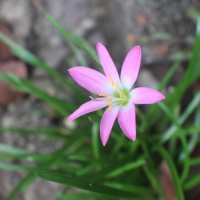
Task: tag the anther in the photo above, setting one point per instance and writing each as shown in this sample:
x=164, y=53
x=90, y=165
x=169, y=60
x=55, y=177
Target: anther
x=111, y=81
x=103, y=95
x=116, y=85
x=108, y=100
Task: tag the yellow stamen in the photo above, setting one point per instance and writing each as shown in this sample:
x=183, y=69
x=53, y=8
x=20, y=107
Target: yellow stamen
x=110, y=106
x=120, y=96
x=103, y=95
x=111, y=81
x=108, y=100
x=116, y=85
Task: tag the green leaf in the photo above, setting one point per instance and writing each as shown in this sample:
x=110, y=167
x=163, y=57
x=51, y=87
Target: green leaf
x=195, y=161
x=116, y=167
x=83, y=196
x=10, y=152
x=143, y=191
x=184, y=156
x=192, y=182
x=85, y=185
x=195, y=134
x=95, y=140
x=77, y=53
x=191, y=107
x=126, y=167
x=170, y=114
x=13, y=167
x=52, y=132
x=10, y=149
x=169, y=75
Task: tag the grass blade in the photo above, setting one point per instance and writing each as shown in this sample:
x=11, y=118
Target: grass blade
x=192, y=182
x=193, y=104
x=85, y=185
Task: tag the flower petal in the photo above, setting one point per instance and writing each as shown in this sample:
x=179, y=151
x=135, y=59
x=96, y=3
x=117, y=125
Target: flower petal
x=130, y=67
x=90, y=79
x=144, y=95
x=90, y=106
x=127, y=121
x=107, y=62
x=107, y=122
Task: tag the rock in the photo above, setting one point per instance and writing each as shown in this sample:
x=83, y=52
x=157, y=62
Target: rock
x=167, y=182
x=50, y=45
x=10, y=180
x=7, y=94
x=21, y=115
x=141, y=20
x=5, y=53
x=47, y=190
x=147, y=79
x=18, y=15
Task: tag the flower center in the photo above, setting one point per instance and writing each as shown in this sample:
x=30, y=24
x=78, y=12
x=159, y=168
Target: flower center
x=119, y=96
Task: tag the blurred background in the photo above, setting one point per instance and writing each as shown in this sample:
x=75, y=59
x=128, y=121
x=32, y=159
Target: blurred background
x=165, y=30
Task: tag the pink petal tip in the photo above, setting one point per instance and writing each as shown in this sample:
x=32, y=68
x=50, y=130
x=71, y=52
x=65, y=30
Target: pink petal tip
x=131, y=67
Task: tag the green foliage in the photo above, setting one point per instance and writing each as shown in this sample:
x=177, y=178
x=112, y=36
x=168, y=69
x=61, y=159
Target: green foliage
x=123, y=169
x=86, y=185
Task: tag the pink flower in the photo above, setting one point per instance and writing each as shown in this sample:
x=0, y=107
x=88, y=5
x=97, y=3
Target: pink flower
x=114, y=91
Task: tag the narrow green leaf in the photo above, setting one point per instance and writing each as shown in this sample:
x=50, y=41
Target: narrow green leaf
x=83, y=196
x=10, y=152
x=77, y=53
x=194, y=161
x=126, y=167
x=195, y=134
x=169, y=114
x=85, y=185
x=146, y=192
x=53, y=132
x=184, y=156
x=95, y=140
x=10, y=149
x=193, y=104
x=192, y=182
x=13, y=167
x=169, y=75
x=110, y=167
